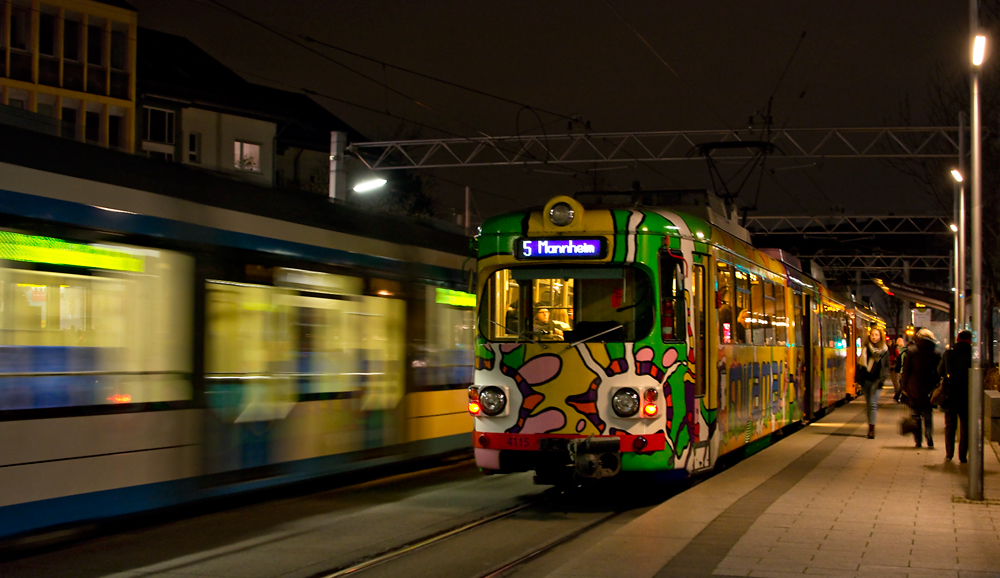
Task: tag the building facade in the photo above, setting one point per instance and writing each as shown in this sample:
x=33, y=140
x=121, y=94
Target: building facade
x=74, y=62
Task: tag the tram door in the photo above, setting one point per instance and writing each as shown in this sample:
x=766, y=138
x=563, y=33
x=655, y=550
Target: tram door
x=801, y=367
x=704, y=457
x=817, y=367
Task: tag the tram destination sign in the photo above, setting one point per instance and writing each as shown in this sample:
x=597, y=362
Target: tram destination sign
x=561, y=248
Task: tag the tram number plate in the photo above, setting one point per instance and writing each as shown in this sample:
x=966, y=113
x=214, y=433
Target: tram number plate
x=521, y=442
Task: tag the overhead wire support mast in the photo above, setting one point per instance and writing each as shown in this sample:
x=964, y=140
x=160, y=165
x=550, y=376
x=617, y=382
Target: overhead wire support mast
x=670, y=146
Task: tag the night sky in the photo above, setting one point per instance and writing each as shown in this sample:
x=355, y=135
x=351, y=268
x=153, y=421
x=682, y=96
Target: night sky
x=715, y=65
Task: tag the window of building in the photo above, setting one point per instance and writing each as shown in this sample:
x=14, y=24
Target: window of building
x=194, y=147
x=20, y=27
x=116, y=125
x=71, y=40
x=95, y=45
x=69, y=122
x=16, y=103
x=93, y=127
x=47, y=34
x=246, y=156
x=118, y=46
x=158, y=125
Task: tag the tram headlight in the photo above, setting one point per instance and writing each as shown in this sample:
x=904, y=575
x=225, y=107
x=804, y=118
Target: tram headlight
x=492, y=400
x=561, y=214
x=625, y=402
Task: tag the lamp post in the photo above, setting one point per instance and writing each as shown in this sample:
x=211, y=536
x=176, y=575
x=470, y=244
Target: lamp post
x=959, y=228
x=976, y=372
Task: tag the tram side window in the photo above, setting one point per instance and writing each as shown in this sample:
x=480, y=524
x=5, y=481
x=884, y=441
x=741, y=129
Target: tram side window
x=671, y=297
x=757, y=318
x=724, y=302
x=780, y=319
x=744, y=314
x=503, y=295
x=769, y=313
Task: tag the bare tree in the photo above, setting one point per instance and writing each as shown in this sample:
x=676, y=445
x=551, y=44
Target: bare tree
x=949, y=93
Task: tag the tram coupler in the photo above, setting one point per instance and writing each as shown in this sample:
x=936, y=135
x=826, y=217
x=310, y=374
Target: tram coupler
x=595, y=457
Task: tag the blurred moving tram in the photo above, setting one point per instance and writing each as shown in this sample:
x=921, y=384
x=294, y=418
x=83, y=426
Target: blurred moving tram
x=159, y=351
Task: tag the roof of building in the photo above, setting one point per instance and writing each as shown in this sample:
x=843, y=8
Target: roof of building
x=27, y=148
x=117, y=4
x=173, y=67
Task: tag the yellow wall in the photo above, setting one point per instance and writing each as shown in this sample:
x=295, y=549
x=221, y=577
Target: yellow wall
x=81, y=99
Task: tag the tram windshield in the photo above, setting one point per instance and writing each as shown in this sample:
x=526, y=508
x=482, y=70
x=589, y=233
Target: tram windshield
x=606, y=304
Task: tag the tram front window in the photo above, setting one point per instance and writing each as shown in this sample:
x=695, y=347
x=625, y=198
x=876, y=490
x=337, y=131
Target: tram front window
x=593, y=304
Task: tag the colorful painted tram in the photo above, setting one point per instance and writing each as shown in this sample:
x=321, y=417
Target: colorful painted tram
x=626, y=336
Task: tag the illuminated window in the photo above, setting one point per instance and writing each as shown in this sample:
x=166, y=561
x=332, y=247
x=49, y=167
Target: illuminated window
x=599, y=304
x=246, y=156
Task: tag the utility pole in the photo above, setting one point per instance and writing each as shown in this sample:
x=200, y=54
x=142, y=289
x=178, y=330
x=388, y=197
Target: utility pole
x=976, y=372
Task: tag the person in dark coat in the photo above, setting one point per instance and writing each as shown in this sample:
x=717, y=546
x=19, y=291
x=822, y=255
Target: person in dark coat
x=954, y=367
x=897, y=350
x=871, y=372
x=920, y=377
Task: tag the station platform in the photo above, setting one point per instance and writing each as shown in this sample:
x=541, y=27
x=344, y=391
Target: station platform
x=824, y=501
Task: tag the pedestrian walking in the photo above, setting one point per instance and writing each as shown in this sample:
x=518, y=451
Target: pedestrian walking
x=920, y=377
x=896, y=363
x=954, y=370
x=871, y=372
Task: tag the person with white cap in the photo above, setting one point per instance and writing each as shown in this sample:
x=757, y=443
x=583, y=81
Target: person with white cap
x=920, y=377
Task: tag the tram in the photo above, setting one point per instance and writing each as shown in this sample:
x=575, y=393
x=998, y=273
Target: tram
x=644, y=332
x=156, y=351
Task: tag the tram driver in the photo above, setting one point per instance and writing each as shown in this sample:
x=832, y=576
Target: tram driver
x=544, y=324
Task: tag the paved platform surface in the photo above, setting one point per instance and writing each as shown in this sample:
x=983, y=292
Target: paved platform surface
x=825, y=501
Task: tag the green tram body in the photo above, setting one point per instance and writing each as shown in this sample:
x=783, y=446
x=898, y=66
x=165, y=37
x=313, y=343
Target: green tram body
x=717, y=343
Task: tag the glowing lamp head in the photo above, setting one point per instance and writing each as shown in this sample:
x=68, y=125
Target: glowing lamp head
x=956, y=174
x=979, y=50
x=474, y=408
x=649, y=410
x=954, y=227
x=369, y=185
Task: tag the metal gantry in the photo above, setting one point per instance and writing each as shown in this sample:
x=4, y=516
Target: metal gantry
x=881, y=263
x=676, y=146
x=843, y=225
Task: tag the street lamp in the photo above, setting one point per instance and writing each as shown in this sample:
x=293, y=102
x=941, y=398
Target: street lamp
x=976, y=372
x=371, y=185
x=959, y=227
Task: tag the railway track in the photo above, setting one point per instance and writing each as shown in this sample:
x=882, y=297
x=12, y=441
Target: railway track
x=504, y=542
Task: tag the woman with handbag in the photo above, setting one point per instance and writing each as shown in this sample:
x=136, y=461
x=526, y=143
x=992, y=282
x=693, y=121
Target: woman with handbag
x=954, y=371
x=871, y=372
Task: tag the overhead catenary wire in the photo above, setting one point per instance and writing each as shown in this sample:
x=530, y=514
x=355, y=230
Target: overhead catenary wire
x=435, y=79
x=326, y=57
x=665, y=63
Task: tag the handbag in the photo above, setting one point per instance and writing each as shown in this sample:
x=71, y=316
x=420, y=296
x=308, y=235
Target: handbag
x=939, y=396
x=908, y=425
